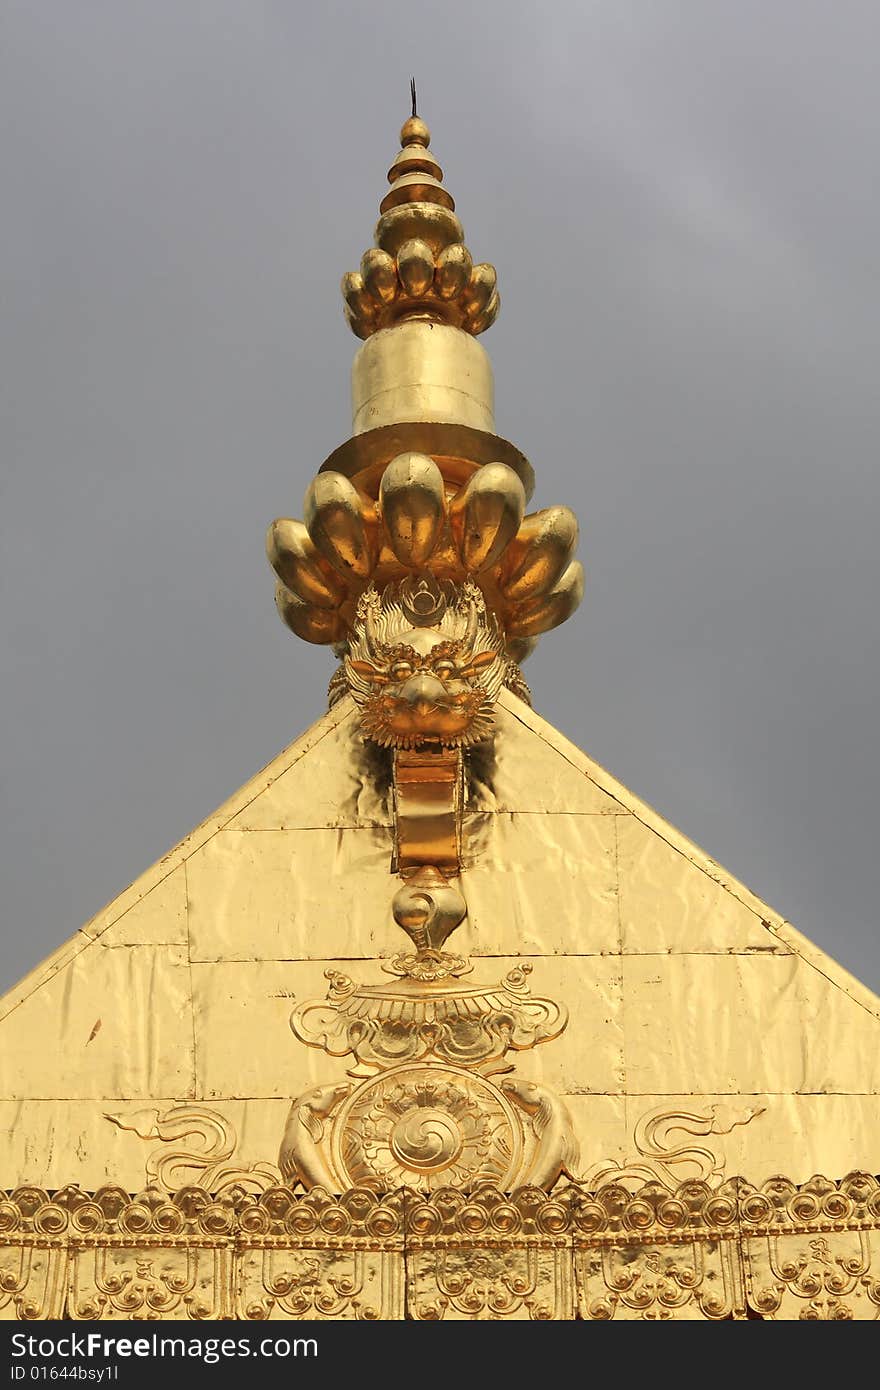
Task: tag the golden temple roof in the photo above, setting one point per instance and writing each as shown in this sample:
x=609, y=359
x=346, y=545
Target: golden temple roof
x=433, y=972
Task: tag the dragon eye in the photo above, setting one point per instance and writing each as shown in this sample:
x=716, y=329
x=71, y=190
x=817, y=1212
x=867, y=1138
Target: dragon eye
x=444, y=668
x=400, y=670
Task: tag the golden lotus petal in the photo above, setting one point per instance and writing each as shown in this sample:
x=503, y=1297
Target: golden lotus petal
x=356, y=297
x=438, y=227
x=485, y=516
x=412, y=501
x=319, y=625
x=335, y=515
x=361, y=327
x=548, y=611
x=415, y=266
x=478, y=323
x=379, y=274
x=538, y=556
x=297, y=563
x=454, y=266
x=480, y=289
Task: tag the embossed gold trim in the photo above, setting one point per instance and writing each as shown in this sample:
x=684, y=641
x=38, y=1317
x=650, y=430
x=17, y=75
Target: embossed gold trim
x=773, y=1251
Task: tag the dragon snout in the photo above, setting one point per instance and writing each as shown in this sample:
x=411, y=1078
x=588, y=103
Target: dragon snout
x=422, y=691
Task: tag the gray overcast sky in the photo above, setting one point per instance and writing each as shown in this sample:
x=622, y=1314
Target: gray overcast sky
x=683, y=203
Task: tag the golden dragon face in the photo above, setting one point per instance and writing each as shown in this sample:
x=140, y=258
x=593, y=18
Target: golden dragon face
x=425, y=664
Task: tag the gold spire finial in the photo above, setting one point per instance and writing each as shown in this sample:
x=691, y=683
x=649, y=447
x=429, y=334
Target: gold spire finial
x=419, y=267
x=425, y=494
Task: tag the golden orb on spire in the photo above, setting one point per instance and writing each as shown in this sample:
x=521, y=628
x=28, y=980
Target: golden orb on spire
x=414, y=132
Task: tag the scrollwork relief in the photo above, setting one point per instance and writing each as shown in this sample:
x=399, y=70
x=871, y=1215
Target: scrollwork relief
x=526, y=1281
x=663, y=1158
x=196, y=1146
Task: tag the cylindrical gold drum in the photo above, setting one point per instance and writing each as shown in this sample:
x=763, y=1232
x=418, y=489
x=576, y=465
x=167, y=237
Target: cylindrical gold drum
x=422, y=371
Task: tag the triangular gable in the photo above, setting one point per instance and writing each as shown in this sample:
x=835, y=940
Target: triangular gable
x=684, y=989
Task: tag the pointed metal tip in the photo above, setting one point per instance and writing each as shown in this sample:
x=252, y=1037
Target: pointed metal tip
x=412, y=89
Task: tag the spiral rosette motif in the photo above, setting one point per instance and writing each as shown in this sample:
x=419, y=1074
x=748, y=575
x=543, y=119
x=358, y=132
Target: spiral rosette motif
x=426, y=1127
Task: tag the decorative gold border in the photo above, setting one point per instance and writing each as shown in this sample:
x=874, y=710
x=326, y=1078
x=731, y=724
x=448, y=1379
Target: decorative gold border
x=772, y=1251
